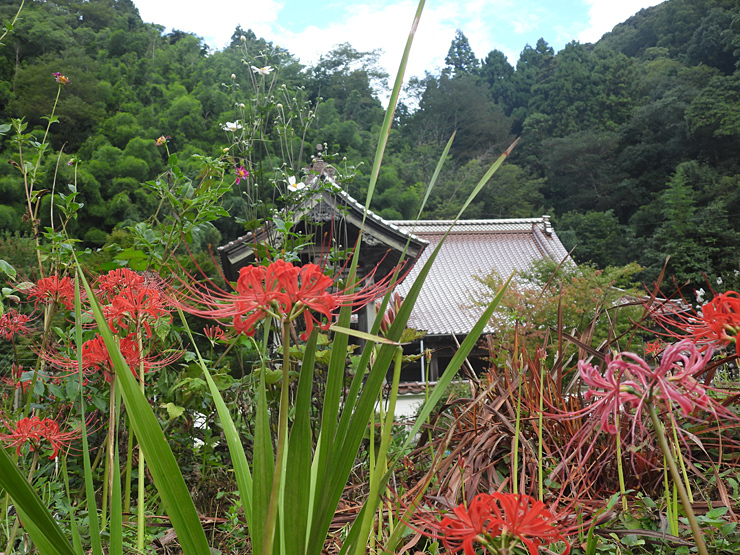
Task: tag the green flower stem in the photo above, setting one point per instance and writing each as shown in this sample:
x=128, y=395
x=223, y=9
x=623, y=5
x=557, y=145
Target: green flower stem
x=272, y=508
x=677, y=482
x=620, y=468
x=515, y=449
x=540, y=469
x=127, y=479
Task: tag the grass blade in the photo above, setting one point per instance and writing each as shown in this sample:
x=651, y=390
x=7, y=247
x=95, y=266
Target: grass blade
x=236, y=449
x=37, y=521
x=162, y=464
x=298, y=467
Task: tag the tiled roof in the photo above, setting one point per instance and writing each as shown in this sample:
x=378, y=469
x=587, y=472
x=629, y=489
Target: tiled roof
x=473, y=248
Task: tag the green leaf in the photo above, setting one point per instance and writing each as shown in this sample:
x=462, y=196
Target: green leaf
x=298, y=467
x=36, y=518
x=236, y=448
x=4, y=266
x=173, y=411
x=162, y=464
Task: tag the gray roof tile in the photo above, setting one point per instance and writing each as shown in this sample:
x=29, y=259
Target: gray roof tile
x=473, y=248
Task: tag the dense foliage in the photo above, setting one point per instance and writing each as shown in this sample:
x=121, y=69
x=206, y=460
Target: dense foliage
x=630, y=143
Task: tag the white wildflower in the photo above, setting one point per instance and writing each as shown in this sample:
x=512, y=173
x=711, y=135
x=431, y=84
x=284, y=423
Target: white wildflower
x=262, y=70
x=231, y=126
x=295, y=186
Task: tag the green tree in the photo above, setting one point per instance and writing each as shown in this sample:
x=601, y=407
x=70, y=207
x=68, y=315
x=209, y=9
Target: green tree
x=460, y=59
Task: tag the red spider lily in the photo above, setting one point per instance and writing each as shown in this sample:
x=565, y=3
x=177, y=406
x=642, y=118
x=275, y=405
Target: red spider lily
x=111, y=284
x=490, y=516
x=460, y=528
x=95, y=358
x=279, y=290
x=95, y=355
x=32, y=430
x=720, y=319
x=54, y=290
x=717, y=322
x=13, y=323
x=312, y=294
x=527, y=519
x=137, y=307
x=215, y=333
x=654, y=347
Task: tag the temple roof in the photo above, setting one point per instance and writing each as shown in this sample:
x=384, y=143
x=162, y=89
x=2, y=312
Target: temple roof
x=333, y=217
x=473, y=248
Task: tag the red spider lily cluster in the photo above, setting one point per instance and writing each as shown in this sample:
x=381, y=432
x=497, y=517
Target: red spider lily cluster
x=280, y=290
x=14, y=323
x=133, y=301
x=492, y=518
x=133, y=304
x=717, y=322
x=33, y=429
x=53, y=290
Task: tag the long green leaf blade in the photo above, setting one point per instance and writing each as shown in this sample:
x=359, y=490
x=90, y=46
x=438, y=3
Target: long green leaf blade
x=298, y=468
x=162, y=464
x=236, y=449
x=37, y=521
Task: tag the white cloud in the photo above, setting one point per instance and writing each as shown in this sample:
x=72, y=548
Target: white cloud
x=215, y=23
x=370, y=26
x=605, y=14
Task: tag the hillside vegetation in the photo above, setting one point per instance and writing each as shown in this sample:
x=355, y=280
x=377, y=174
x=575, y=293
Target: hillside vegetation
x=631, y=144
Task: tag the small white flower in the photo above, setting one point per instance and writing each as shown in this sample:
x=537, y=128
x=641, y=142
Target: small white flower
x=231, y=126
x=243, y=38
x=719, y=281
x=262, y=70
x=233, y=76
x=293, y=186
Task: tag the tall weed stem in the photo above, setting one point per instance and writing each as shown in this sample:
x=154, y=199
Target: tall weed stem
x=677, y=481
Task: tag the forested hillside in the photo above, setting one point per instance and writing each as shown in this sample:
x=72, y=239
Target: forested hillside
x=631, y=144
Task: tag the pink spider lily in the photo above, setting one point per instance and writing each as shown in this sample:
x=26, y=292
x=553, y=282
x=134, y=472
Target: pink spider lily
x=628, y=384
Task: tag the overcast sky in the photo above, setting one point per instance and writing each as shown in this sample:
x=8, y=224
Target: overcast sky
x=309, y=29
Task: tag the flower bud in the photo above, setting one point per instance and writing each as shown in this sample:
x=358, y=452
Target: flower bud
x=243, y=39
x=233, y=76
